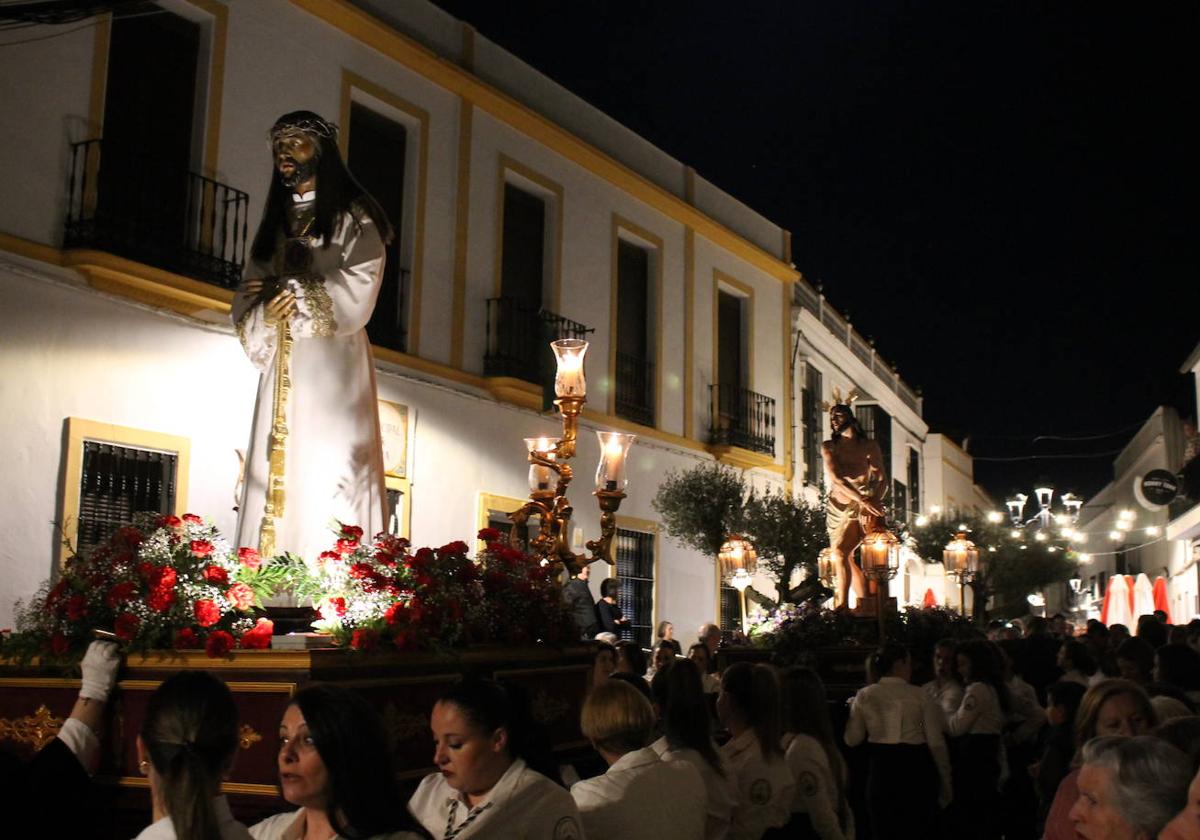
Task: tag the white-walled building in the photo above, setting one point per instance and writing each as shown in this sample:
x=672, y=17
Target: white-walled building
x=135, y=162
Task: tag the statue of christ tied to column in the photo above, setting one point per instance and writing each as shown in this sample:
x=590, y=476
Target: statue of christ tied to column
x=301, y=312
x=857, y=484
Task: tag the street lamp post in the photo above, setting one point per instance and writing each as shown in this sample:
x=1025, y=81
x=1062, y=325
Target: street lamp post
x=961, y=559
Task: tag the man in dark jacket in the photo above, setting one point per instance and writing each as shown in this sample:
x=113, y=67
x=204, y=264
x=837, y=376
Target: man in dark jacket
x=578, y=596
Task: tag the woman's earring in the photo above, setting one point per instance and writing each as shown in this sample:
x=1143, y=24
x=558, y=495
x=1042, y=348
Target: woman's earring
x=144, y=766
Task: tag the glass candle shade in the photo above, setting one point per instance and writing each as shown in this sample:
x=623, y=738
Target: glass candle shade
x=880, y=553
x=610, y=472
x=569, y=380
x=826, y=567
x=737, y=554
x=541, y=478
x=960, y=555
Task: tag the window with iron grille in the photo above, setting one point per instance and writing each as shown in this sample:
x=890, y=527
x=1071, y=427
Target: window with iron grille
x=731, y=609
x=899, y=501
x=914, y=481
x=877, y=425
x=813, y=427
x=117, y=482
x=634, y=398
x=635, y=569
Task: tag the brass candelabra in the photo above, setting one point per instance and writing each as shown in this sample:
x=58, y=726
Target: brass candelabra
x=550, y=474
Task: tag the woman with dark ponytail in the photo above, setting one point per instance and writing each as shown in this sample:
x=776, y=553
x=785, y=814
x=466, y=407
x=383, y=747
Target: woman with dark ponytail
x=749, y=706
x=496, y=776
x=186, y=746
x=335, y=762
x=976, y=728
x=908, y=755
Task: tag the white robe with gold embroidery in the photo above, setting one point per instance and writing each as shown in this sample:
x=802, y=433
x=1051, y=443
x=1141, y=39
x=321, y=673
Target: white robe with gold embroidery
x=334, y=461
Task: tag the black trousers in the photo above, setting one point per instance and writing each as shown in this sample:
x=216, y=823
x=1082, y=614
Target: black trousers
x=902, y=791
x=976, y=809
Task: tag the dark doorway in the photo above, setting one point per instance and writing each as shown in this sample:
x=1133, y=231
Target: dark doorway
x=376, y=156
x=523, y=261
x=729, y=340
x=635, y=372
x=149, y=103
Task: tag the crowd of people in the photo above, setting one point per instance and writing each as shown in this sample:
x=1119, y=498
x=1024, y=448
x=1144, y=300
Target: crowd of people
x=1018, y=735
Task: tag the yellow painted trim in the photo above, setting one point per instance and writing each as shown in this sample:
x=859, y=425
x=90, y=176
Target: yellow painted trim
x=100, y=45
x=654, y=244
x=462, y=221
x=372, y=32
x=427, y=366
x=350, y=82
x=78, y=430
x=404, y=485
x=516, y=392
x=744, y=459
x=789, y=385
x=488, y=502
x=151, y=286
x=32, y=250
x=216, y=83
x=689, y=341
x=508, y=164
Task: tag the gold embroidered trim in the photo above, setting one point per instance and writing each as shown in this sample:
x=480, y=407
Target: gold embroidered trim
x=320, y=306
x=37, y=729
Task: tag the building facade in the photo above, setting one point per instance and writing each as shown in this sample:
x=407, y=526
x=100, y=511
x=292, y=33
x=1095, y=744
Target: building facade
x=136, y=164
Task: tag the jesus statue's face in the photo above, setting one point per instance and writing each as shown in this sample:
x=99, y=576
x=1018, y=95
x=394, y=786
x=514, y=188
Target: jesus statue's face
x=839, y=419
x=295, y=157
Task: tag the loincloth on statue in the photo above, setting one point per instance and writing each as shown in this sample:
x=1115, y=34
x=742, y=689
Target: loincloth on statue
x=848, y=520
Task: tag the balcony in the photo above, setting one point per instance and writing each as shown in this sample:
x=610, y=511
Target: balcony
x=634, y=398
x=742, y=418
x=518, y=339
x=178, y=221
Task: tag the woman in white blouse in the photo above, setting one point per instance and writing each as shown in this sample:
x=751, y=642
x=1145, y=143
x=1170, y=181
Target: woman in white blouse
x=819, y=807
x=749, y=707
x=977, y=727
x=494, y=779
x=909, y=770
x=687, y=736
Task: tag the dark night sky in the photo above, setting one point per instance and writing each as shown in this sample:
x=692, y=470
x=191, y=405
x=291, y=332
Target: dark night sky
x=1001, y=194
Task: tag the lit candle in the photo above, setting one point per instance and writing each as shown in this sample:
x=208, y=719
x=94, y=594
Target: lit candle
x=610, y=473
x=569, y=380
x=541, y=477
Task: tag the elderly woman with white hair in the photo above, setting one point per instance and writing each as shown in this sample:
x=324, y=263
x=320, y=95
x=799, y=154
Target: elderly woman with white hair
x=1129, y=788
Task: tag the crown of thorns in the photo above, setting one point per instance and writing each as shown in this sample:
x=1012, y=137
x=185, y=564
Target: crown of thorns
x=840, y=400
x=314, y=126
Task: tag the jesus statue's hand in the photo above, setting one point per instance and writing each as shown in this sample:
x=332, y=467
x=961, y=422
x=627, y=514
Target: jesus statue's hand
x=869, y=506
x=281, y=307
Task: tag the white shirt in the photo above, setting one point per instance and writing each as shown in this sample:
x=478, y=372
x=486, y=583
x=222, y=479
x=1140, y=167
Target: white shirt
x=979, y=713
x=291, y=826
x=642, y=796
x=948, y=696
x=523, y=805
x=1027, y=713
x=230, y=828
x=892, y=711
x=765, y=788
x=720, y=790
x=816, y=788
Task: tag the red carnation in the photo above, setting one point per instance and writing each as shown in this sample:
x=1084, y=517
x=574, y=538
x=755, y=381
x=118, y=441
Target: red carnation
x=347, y=546
x=327, y=557
x=217, y=575
x=201, y=548
x=162, y=577
x=241, y=596
x=167, y=521
x=76, y=607
x=258, y=637
x=361, y=571
x=56, y=592
x=249, y=558
x=488, y=535
x=131, y=536
x=364, y=639
x=186, y=639
x=219, y=643
x=456, y=547
x=145, y=570
x=396, y=614
x=339, y=606
x=126, y=626
x=351, y=532
x=119, y=594
x=207, y=613
x=193, y=518
x=160, y=600
x=59, y=644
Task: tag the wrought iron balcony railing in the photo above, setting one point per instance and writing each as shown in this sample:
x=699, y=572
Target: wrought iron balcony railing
x=634, y=398
x=517, y=339
x=121, y=202
x=743, y=418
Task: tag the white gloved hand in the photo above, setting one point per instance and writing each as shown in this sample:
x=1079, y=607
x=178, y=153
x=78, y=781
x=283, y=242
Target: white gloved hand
x=100, y=665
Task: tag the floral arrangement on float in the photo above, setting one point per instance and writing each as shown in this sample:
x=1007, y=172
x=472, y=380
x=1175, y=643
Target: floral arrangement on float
x=377, y=594
x=167, y=582
x=159, y=582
